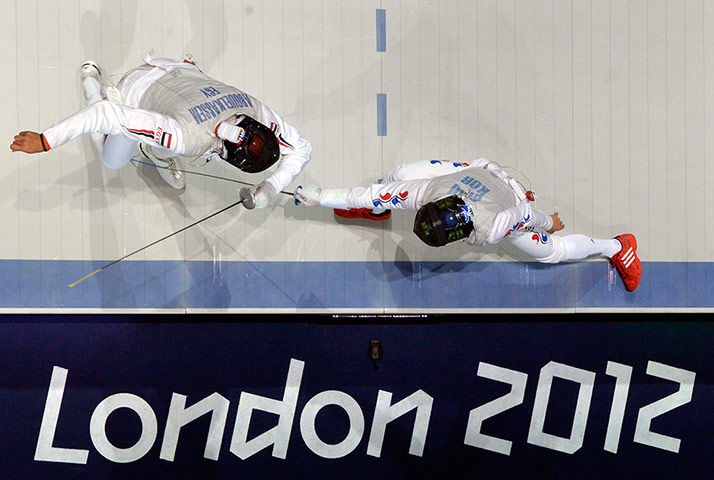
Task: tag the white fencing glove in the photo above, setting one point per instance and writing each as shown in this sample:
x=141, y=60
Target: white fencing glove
x=308, y=195
x=264, y=194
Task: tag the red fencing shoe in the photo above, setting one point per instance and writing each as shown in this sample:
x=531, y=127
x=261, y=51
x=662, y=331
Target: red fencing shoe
x=626, y=261
x=363, y=213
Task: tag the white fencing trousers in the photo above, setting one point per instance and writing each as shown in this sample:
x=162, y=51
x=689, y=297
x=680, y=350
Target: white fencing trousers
x=551, y=248
x=114, y=151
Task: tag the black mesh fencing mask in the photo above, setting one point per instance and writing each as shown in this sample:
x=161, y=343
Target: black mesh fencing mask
x=256, y=150
x=443, y=221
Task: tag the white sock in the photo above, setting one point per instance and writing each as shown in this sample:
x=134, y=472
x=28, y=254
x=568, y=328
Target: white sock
x=581, y=246
x=92, y=90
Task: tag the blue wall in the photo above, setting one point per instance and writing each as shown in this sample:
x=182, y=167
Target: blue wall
x=155, y=356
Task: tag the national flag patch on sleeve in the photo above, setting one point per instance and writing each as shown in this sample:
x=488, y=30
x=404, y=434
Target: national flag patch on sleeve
x=163, y=138
x=166, y=140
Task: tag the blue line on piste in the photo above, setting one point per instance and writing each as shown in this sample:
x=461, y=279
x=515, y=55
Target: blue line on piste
x=412, y=284
x=381, y=114
x=381, y=30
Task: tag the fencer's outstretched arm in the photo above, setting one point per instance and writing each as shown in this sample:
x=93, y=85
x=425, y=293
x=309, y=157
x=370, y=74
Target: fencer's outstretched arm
x=111, y=119
x=406, y=195
x=405, y=187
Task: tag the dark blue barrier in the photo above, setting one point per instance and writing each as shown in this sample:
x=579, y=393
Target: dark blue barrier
x=451, y=397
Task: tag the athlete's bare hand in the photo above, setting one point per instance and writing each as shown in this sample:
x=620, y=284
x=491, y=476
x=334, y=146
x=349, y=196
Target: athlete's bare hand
x=557, y=223
x=28, y=142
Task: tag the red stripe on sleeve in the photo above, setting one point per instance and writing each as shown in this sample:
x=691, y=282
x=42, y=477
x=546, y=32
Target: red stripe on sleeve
x=141, y=131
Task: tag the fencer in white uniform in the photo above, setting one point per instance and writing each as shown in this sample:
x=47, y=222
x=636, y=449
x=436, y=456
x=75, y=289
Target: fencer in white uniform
x=172, y=110
x=478, y=203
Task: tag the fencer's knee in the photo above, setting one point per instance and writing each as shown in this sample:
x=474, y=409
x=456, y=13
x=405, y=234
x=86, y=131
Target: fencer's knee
x=113, y=162
x=117, y=151
x=557, y=253
x=542, y=247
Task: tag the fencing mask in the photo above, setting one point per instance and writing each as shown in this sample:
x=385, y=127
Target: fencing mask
x=443, y=221
x=250, y=145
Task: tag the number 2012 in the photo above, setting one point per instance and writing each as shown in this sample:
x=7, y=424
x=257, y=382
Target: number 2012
x=586, y=379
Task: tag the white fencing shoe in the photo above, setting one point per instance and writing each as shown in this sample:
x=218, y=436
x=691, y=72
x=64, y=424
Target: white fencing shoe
x=169, y=167
x=91, y=69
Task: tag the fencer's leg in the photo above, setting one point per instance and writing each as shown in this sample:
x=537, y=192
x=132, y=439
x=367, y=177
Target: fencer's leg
x=117, y=151
x=91, y=82
x=538, y=245
x=92, y=85
x=579, y=247
x=424, y=169
x=551, y=248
